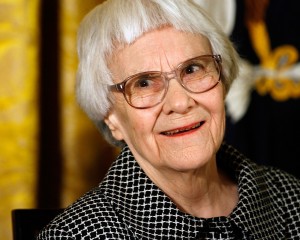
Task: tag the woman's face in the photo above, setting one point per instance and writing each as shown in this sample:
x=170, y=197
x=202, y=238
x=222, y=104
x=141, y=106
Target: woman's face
x=151, y=133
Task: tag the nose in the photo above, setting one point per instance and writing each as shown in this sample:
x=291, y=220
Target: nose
x=177, y=99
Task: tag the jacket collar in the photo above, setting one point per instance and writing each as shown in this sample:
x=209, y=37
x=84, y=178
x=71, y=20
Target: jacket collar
x=255, y=206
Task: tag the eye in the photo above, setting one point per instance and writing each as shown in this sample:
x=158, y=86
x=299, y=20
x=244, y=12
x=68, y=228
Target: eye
x=143, y=82
x=192, y=68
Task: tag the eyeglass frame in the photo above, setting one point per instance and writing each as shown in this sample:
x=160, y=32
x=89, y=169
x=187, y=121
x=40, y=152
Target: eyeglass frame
x=120, y=87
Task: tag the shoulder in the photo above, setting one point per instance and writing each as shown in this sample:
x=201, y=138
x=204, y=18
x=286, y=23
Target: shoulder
x=276, y=183
x=284, y=191
x=91, y=215
x=283, y=185
x=239, y=165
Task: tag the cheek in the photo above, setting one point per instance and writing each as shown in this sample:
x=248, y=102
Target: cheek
x=218, y=118
x=136, y=125
x=123, y=122
x=142, y=122
x=216, y=107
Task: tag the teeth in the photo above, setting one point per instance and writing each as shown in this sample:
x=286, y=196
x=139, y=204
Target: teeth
x=182, y=130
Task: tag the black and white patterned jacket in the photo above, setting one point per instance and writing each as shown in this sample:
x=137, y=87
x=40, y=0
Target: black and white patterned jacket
x=127, y=205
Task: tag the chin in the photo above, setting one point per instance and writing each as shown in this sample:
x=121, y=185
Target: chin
x=188, y=160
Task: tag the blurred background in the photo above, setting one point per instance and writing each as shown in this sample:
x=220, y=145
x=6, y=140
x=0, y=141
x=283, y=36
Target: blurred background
x=50, y=153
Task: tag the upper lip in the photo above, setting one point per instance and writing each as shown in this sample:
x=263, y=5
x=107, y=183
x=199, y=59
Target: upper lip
x=182, y=129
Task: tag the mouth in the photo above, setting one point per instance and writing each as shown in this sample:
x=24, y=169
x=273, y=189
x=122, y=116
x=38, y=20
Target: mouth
x=183, y=130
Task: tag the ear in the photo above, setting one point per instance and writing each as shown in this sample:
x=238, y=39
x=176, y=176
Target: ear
x=113, y=123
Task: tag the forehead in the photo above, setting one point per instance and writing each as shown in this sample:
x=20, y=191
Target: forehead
x=160, y=49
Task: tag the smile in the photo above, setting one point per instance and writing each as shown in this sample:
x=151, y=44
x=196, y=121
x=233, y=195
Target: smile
x=182, y=130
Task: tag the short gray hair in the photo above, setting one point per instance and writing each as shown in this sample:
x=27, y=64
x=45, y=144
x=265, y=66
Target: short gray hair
x=123, y=21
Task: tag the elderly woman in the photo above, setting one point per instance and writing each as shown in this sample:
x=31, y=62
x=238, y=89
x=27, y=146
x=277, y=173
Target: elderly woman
x=153, y=76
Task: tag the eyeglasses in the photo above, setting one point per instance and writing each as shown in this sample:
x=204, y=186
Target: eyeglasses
x=147, y=89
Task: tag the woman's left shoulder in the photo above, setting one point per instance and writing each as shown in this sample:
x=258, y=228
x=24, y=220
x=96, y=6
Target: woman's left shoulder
x=282, y=178
x=283, y=183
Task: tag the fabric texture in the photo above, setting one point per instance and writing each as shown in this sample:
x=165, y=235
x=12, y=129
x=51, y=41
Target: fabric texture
x=128, y=205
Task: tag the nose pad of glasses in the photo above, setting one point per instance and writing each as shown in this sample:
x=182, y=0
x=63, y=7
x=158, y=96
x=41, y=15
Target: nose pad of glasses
x=177, y=88
x=170, y=75
x=174, y=76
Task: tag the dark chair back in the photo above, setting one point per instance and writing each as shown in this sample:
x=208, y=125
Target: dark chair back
x=27, y=223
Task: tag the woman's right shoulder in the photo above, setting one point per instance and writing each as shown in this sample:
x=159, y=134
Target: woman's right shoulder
x=90, y=215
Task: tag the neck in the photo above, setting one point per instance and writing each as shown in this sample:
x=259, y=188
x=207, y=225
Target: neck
x=203, y=193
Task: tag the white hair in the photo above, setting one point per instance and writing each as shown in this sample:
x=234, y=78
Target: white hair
x=122, y=22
